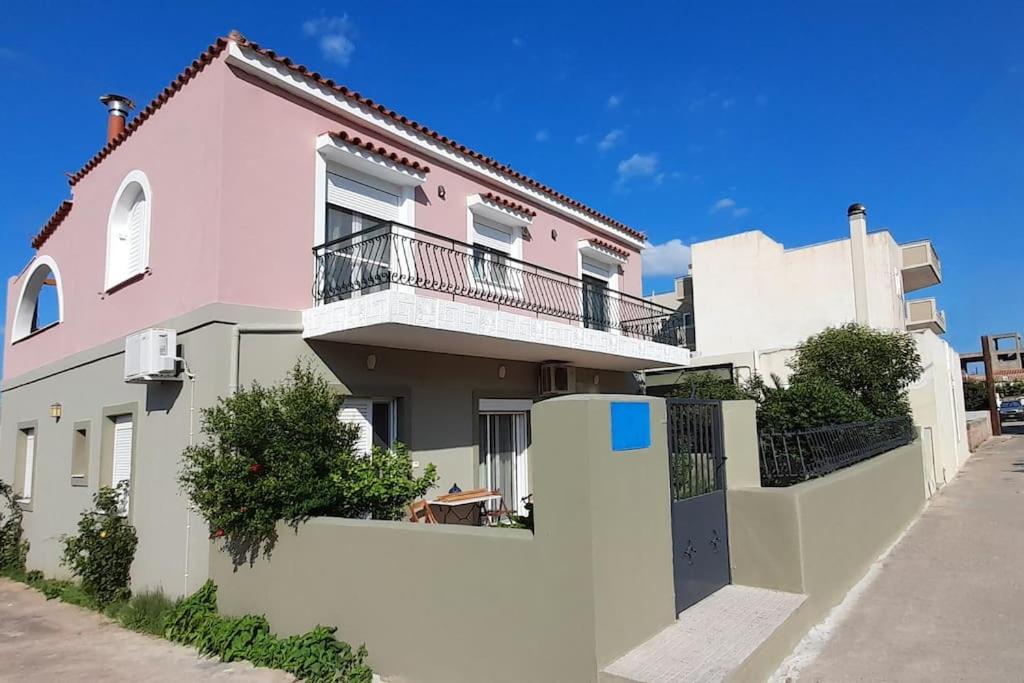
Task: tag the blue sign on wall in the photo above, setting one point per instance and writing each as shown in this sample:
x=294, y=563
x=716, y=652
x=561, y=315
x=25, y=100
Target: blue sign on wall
x=631, y=426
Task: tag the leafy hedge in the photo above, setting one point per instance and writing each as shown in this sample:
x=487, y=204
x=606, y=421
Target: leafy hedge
x=13, y=549
x=280, y=453
x=316, y=656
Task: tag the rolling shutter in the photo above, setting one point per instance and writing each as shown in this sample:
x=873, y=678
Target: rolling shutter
x=356, y=412
x=492, y=236
x=596, y=268
x=364, y=194
x=135, y=237
x=122, y=460
x=30, y=457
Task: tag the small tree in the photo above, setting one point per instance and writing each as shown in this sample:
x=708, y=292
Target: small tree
x=873, y=366
x=975, y=395
x=101, y=554
x=709, y=386
x=809, y=403
x=280, y=453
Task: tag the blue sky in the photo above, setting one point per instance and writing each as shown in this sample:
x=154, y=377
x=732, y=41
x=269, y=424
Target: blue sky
x=689, y=121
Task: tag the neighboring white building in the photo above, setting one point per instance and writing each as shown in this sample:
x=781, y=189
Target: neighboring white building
x=754, y=301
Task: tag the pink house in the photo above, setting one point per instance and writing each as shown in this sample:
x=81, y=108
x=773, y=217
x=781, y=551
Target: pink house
x=257, y=212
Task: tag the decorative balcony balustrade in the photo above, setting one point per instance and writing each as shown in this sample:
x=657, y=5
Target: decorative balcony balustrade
x=389, y=254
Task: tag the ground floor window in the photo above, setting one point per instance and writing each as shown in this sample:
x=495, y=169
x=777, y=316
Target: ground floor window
x=504, y=439
x=121, y=457
x=25, y=465
x=376, y=420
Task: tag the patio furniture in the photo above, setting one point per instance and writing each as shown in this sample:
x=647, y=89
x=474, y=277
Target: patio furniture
x=467, y=507
x=420, y=511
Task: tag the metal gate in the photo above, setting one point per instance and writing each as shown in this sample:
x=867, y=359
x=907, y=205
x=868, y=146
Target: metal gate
x=700, y=538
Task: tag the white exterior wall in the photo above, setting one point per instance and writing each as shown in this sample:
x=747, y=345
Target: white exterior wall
x=752, y=293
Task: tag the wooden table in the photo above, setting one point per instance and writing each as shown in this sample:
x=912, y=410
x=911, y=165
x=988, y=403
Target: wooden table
x=462, y=508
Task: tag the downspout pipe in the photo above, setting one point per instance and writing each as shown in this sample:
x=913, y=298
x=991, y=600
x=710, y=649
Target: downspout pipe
x=236, y=342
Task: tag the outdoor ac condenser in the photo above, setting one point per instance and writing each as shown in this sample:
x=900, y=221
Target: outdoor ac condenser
x=150, y=355
x=557, y=378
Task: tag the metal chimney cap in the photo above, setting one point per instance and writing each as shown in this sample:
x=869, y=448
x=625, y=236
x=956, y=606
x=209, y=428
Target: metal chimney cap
x=117, y=104
x=855, y=209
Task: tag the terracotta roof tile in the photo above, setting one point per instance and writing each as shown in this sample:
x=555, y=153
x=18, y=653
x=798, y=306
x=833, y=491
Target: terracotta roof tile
x=608, y=246
x=214, y=50
x=379, y=150
x=51, y=225
x=513, y=206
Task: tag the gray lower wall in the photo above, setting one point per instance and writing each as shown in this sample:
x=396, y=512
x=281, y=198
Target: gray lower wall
x=819, y=538
x=979, y=430
x=441, y=393
x=439, y=603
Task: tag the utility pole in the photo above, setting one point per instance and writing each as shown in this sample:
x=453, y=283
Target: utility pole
x=990, y=385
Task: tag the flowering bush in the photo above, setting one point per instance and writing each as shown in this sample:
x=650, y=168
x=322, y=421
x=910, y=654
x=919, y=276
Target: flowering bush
x=281, y=453
x=101, y=554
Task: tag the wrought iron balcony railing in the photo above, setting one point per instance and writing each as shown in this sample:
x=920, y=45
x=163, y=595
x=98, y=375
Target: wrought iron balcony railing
x=390, y=254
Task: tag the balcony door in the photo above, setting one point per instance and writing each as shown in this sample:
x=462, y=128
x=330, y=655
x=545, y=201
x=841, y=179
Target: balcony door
x=595, y=303
x=504, y=436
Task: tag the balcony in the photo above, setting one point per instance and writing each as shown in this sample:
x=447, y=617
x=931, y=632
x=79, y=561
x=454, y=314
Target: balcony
x=923, y=314
x=401, y=287
x=921, y=266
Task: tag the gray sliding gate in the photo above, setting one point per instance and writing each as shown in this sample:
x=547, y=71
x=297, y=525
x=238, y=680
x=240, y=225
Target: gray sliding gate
x=700, y=538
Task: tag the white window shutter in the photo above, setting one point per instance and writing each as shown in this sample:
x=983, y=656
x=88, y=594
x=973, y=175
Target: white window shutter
x=136, y=237
x=30, y=457
x=122, y=460
x=493, y=236
x=364, y=194
x=357, y=412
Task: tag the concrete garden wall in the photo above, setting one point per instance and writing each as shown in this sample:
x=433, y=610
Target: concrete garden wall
x=442, y=603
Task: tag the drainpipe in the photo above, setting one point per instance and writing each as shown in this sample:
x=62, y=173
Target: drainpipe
x=236, y=341
x=858, y=217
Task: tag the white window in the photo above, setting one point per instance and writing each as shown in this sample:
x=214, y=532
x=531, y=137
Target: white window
x=128, y=229
x=28, y=463
x=504, y=439
x=376, y=420
x=364, y=194
x=121, y=460
x=41, y=301
x=492, y=247
x=596, y=295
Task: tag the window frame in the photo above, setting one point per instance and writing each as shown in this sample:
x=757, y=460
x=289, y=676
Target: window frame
x=519, y=410
x=28, y=298
x=120, y=212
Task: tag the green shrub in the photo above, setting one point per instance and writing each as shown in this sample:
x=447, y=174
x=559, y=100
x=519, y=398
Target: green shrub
x=381, y=485
x=145, y=612
x=280, y=453
x=873, y=366
x=708, y=386
x=13, y=549
x=811, y=402
x=33, y=577
x=315, y=656
x=101, y=554
x=975, y=395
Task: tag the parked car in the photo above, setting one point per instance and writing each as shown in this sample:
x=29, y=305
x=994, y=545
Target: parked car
x=1011, y=410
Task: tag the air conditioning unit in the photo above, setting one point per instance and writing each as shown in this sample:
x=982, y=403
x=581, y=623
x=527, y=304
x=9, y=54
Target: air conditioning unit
x=150, y=355
x=557, y=378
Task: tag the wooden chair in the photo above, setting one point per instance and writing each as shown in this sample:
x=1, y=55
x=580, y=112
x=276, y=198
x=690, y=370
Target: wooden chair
x=420, y=511
x=494, y=516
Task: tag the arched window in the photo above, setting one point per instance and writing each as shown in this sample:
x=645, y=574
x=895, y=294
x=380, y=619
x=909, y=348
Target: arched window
x=41, y=302
x=128, y=230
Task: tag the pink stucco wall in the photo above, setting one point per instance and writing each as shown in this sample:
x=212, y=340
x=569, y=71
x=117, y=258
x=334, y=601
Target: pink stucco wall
x=231, y=165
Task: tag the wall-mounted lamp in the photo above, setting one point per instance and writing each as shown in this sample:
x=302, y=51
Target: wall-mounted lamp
x=554, y=234
x=55, y=411
x=441, y=192
x=371, y=361
x=501, y=372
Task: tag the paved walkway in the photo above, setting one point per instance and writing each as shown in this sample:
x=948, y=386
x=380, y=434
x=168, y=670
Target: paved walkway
x=50, y=641
x=948, y=603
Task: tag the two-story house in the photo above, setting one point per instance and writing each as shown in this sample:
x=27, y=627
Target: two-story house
x=754, y=300
x=257, y=212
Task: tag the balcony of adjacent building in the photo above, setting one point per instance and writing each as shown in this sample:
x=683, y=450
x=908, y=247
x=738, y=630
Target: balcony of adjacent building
x=924, y=314
x=921, y=266
x=402, y=287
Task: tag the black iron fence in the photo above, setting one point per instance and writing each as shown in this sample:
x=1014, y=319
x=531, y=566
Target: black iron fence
x=391, y=254
x=695, y=447
x=791, y=458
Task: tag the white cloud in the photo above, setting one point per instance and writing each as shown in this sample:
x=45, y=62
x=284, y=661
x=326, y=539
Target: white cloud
x=334, y=35
x=668, y=258
x=614, y=101
x=728, y=103
x=580, y=139
x=610, y=140
x=637, y=166
x=541, y=135
x=729, y=205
